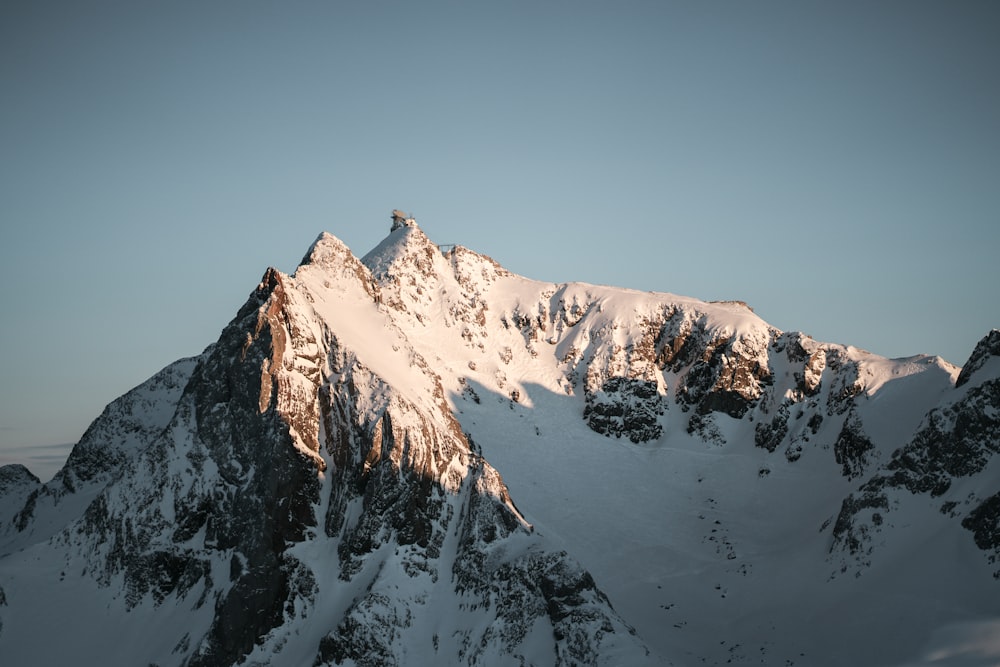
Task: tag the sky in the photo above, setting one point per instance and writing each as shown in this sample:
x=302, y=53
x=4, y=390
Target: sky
x=836, y=165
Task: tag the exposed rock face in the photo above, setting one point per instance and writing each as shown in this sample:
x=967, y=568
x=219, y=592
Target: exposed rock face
x=725, y=374
x=624, y=406
x=853, y=449
x=230, y=480
x=987, y=349
x=14, y=477
x=984, y=522
x=17, y=484
x=126, y=426
x=287, y=439
x=956, y=441
x=771, y=434
x=124, y=429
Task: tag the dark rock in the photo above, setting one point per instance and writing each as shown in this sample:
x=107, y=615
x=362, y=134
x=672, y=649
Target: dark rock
x=853, y=450
x=984, y=522
x=846, y=383
x=987, y=347
x=770, y=435
x=625, y=406
x=703, y=425
x=16, y=477
x=957, y=440
x=723, y=380
x=849, y=532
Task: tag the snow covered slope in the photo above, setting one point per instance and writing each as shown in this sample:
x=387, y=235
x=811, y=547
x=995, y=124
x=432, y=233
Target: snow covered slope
x=323, y=486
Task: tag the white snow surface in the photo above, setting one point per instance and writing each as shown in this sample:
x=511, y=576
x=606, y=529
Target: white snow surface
x=715, y=550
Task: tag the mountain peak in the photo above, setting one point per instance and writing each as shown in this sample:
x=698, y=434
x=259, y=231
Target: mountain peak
x=405, y=244
x=14, y=475
x=327, y=483
x=987, y=348
x=327, y=249
x=401, y=219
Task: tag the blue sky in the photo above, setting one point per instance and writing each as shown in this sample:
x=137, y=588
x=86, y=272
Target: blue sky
x=835, y=165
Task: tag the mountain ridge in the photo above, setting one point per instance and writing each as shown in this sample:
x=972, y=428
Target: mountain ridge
x=324, y=491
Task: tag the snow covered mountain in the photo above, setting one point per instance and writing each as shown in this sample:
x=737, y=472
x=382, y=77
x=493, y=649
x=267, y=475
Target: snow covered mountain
x=322, y=485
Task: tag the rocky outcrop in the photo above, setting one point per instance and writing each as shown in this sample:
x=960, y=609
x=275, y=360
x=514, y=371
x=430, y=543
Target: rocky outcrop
x=17, y=485
x=769, y=435
x=853, y=449
x=126, y=427
x=625, y=406
x=727, y=377
x=984, y=522
x=719, y=371
x=987, y=349
x=956, y=441
x=209, y=508
x=15, y=477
